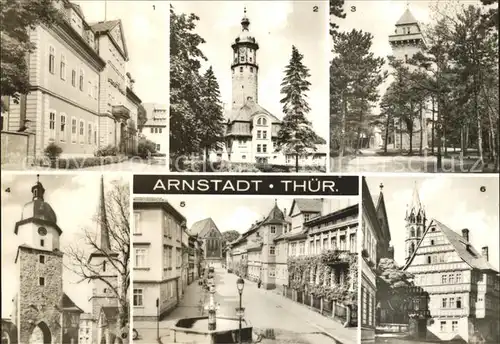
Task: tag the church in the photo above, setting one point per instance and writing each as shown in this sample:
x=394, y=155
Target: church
x=463, y=287
x=251, y=130
x=406, y=41
x=212, y=242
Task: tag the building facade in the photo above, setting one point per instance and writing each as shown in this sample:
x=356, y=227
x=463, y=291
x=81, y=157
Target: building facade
x=78, y=97
x=251, y=130
x=463, y=287
x=85, y=329
x=212, y=243
x=156, y=127
x=157, y=232
x=407, y=41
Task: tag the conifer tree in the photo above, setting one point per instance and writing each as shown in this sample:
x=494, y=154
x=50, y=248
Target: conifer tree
x=296, y=135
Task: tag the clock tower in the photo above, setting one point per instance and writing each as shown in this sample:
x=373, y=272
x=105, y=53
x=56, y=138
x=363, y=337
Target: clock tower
x=416, y=221
x=244, y=66
x=37, y=310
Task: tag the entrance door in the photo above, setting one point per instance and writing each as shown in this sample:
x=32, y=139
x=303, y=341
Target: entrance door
x=41, y=334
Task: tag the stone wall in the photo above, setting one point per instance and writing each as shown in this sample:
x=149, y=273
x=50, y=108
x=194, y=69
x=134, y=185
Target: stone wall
x=39, y=305
x=17, y=148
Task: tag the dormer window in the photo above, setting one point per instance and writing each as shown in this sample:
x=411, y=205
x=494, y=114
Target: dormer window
x=104, y=266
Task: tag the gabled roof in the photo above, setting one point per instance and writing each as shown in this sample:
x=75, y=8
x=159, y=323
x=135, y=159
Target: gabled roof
x=307, y=205
x=110, y=313
x=407, y=18
x=158, y=202
x=464, y=249
x=276, y=216
x=202, y=227
x=69, y=305
x=247, y=112
x=105, y=27
x=382, y=212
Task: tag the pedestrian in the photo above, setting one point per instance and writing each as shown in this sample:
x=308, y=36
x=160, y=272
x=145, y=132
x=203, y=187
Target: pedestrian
x=259, y=283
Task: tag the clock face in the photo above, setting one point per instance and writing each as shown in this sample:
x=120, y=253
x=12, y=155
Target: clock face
x=42, y=231
x=242, y=51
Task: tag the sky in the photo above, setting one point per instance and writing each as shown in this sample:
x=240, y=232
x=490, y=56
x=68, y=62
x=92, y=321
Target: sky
x=276, y=25
x=456, y=201
x=146, y=30
x=379, y=18
x=75, y=199
x=233, y=213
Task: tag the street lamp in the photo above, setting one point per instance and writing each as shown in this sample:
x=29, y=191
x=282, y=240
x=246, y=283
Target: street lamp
x=240, y=284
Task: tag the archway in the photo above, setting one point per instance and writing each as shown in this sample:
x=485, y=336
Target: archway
x=41, y=334
x=103, y=340
x=5, y=338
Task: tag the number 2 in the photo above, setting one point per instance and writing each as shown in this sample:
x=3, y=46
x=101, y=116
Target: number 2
x=315, y=8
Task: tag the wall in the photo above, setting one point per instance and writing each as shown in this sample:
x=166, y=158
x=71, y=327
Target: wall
x=17, y=148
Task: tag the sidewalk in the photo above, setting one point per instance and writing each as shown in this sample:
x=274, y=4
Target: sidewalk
x=328, y=326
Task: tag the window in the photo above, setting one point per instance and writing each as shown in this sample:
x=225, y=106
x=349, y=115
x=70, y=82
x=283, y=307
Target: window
x=251, y=69
x=343, y=243
x=52, y=125
x=452, y=302
x=432, y=242
x=152, y=130
x=73, y=78
x=241, y=69
x=137, y=227
x=52, y=59
x=41, y=281
x=428, y=259
x=451, y=279
x=273, y=229
x=292, y=249
x=302, y=247
x=334, y=243
x=90, y=89
x=259, y=134
x=138, y=301
x=42, y=259
x=444, y=303
x=73, y=130
x=306, y=217
x=95, y=90
x=95, y=134
x=89, y=133
x=352, y=242
x=157, y=146
x=140, y=257
x=81, y=80
x=62, y=68
x=272, y=273
x=459, y=302
x=261, y=121
x=82, y=131
x=42, y=242
x=259, y=148
x=242, y=58
x=443, y=326
x=272, y=250
x=63, y=127
x=454, y=326
x=325, y=243
x=406, y=58
x=264, y=148
x=264, y=134
x=444, y=279
x=458, y=278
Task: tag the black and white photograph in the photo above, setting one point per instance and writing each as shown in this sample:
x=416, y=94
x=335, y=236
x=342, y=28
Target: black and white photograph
x=84, y=85
x=249, y=86
x=430, y=261
x=414, y=86
x=251, y=269
x=65, y=259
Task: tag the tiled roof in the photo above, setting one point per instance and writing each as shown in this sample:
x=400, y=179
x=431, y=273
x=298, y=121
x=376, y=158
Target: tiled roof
x=69, y=305
x=276, y=216
x=248, y=111
x=104, y=26
x=308, y=205
x=407, y=18
x=201, y=227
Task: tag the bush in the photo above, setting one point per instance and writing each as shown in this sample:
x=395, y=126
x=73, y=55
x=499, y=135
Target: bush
x=109, y=150
x=53, y=151
x=144, y=147
x=273, y=168
x=82, y=162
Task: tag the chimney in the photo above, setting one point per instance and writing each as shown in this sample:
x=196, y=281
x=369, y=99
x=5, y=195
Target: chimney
x=465, y=234
x=484, y=252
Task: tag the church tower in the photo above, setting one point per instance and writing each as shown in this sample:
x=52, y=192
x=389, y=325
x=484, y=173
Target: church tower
x=407, y=39
x=37, y=310
x=244, y=67
x=101, y=261
x=415, y=223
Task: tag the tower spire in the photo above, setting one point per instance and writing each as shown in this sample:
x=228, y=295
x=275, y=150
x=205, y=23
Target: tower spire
x=415, y=199
x=245, y=22
x=103, y=221
x=37, y=190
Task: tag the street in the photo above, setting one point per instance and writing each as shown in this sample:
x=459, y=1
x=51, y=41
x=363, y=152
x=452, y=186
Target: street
x=264, y=309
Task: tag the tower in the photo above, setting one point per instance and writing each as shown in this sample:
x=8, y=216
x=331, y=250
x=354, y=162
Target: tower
x=415, y=223
x=102, y=263
x=244, y=67
x=407, y=39
x=37, y=310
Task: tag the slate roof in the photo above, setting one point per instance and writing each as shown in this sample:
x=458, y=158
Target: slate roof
x=201, y=227
x=104, y=26
x=69, y=305
x=276, y=216
x=464, y=249
x=307, y=205
x=407, y=18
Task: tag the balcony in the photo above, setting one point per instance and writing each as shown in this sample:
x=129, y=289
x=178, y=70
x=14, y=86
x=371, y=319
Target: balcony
x=120, y=112
x=450, y=312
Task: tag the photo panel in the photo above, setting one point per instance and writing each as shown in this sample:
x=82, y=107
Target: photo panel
x=401, y=81
x=249, y=86
x=431, y=246
x=65, y=258
x=242, y=257
x=93, y=94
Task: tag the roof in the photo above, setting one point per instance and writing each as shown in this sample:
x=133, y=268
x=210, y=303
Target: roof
x=202, y=227
x=110, y=312
x=69, y=305
x=464, y=249
x=247, y=112
x=307, y=205
x=159, y=202
x=407, y=18
x=78, y=10
x=104, y=26
x=275, y=216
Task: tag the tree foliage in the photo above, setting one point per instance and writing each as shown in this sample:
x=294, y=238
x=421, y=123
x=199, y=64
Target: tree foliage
x=392, y=284
x=230, y=236
x=296, y=135
x=18, y=18
x=336, y=11
x=117, y=223
x=142, y=116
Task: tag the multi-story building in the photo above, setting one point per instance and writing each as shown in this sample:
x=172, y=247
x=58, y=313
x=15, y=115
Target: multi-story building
x=251, y=130
x=463, y=286
x=78, y=97
x=85, y=330
x=157, y=232
x=375, y=240
x=156, y=127
x=407, y=41
x=211, y=240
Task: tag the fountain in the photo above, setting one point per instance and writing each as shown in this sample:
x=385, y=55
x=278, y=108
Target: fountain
x=211, y=329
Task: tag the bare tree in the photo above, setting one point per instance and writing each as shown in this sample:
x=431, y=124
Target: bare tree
x=116, y=222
